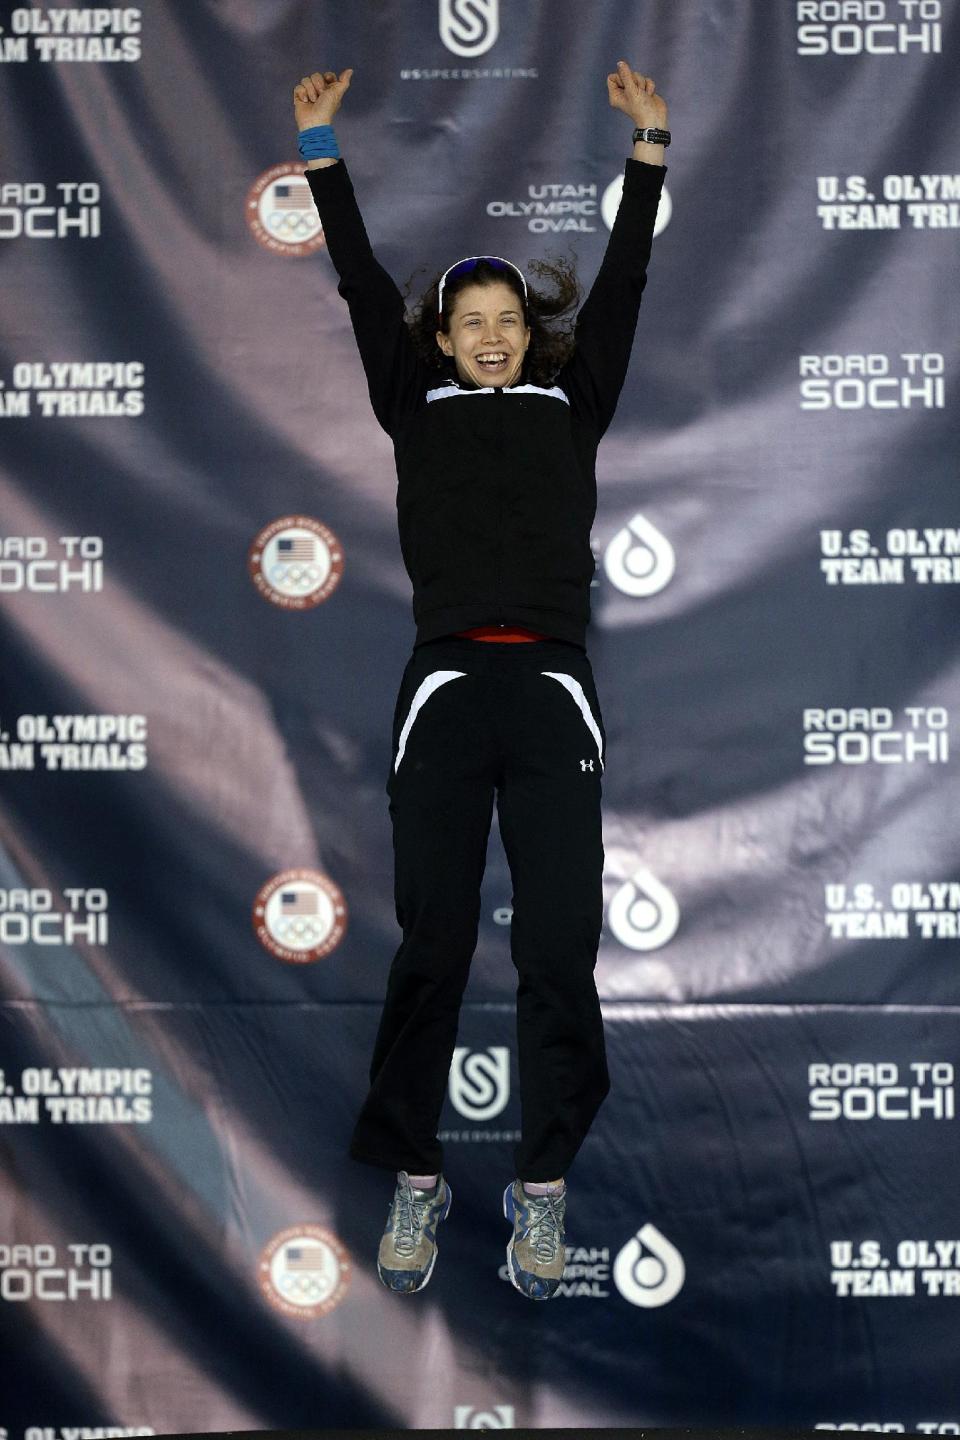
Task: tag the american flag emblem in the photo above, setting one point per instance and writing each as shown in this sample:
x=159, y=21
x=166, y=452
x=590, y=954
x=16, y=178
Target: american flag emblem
x=299, y=902
x=302, y=1258
x=296, y=547
x=292, y=196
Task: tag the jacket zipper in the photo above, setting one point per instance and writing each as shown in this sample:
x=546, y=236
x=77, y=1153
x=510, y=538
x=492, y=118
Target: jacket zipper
x=498, y=395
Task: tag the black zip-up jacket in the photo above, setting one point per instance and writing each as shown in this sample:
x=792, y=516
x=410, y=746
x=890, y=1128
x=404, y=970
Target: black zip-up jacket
x=497, y=488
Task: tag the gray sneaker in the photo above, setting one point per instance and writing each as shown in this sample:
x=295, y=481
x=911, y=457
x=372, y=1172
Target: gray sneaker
x=536, y=1254
x=408, y=1250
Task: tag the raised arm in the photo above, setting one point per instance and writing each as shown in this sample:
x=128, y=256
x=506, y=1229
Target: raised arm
x=393, y=370
x=593, y=377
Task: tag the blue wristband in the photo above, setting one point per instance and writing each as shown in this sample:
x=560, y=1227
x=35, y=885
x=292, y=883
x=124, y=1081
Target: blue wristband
x=319, y=143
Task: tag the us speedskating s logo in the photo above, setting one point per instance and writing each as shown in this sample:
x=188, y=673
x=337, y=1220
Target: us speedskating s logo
x=480, y=1081
x=498, y=1417
x=649, y=1271
x=469, y=27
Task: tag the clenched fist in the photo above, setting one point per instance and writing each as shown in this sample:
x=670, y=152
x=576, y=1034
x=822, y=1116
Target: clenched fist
x=316, y=99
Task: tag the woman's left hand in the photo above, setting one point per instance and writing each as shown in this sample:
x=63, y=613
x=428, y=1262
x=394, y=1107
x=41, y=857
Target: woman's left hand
x=636, y=95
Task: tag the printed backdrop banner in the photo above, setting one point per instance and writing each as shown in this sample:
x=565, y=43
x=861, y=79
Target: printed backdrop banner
x=205, y=622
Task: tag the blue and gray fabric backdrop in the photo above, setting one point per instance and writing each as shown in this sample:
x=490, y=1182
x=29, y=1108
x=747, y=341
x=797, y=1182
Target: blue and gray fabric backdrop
x=205, y=620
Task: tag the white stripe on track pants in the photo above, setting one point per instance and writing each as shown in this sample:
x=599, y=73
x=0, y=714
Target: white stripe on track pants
x=520, y=722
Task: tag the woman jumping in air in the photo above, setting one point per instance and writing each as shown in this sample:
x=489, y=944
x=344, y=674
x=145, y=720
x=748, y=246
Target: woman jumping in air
x=495, y=415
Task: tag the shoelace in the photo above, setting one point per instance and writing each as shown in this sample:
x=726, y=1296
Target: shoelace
x=546, y=1227
x=409, y=1213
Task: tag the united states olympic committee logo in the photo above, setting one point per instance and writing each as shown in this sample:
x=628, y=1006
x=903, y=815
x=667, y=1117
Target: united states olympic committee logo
x=305, y=1271
x=300, y=916
x=295, y=562
x=281, y=213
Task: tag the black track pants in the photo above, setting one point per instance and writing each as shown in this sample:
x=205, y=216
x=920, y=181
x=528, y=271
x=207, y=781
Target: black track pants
x=522, y=721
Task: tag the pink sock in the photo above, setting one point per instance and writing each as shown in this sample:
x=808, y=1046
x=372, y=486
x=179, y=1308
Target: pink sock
x=423, y=1182
x=547, y=1187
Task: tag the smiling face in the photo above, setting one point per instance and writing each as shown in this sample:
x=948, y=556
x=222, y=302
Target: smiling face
x=488, y=339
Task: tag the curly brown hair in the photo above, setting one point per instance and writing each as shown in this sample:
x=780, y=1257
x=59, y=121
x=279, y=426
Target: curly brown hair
x=550, y=314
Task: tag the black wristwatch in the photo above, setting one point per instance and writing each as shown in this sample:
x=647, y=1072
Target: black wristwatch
x=652, y=137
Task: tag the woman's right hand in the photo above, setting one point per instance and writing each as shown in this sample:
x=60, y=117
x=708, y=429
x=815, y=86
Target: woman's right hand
x=316, y=99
